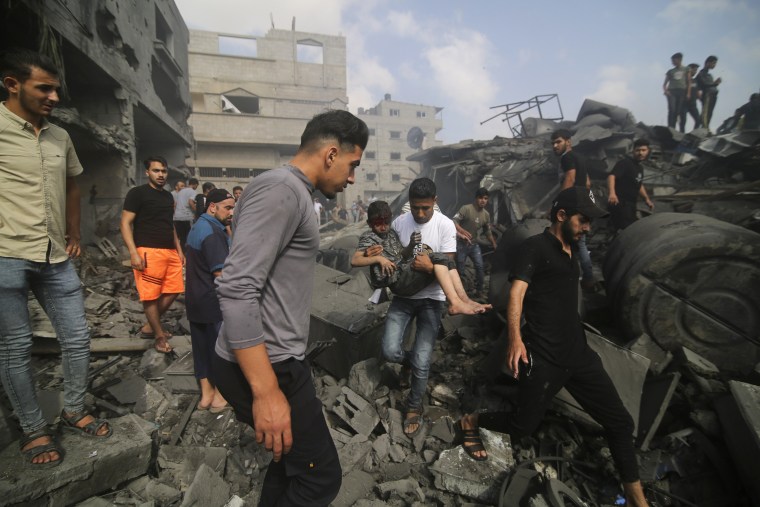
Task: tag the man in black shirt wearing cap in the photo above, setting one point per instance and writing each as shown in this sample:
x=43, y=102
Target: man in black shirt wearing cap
x=550, y=351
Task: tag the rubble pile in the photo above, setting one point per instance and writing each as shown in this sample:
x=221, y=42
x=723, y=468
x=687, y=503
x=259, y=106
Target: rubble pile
x=687, y=366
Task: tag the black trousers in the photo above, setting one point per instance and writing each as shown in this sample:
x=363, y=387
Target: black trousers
x=590, y=385
x=310, y=474
x=691, y=108
x=622, y=214
x=203, y=337
x=183, y=229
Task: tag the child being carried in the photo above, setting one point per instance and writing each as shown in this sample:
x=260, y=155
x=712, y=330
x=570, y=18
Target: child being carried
x=390, y=263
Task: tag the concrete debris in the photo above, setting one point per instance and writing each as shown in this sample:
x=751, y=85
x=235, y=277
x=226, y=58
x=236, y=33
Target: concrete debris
x=403, y=487
x=356, y=484
x=354, y=454
x=356, y=412
x=365, y=377
x=208, y=489
x=178, y=465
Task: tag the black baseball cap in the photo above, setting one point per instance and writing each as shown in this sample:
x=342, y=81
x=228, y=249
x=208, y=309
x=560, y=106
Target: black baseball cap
x=578, y=199
x=217, y=195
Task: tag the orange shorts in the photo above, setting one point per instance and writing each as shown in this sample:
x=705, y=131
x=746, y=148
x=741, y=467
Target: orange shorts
x=162, y=273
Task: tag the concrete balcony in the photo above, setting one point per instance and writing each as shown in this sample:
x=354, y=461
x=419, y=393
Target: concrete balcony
x=247, y=129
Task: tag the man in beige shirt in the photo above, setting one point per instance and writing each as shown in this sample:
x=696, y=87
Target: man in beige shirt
x=39, y=234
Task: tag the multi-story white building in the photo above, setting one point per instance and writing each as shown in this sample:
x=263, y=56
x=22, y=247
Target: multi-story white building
x=397, y=130
x=252, y=97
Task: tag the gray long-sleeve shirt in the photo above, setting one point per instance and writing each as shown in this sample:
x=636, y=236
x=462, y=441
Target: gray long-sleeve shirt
x=267, y=280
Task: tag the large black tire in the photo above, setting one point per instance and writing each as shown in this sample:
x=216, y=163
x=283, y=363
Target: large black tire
x=689, y=280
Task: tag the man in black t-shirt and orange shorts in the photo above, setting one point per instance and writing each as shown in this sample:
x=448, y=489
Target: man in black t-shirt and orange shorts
x=155, y=253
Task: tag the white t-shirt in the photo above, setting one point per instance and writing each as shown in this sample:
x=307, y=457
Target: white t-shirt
x=439, y=234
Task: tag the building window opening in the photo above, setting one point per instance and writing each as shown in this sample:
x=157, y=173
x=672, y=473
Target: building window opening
x=395, y=155
x=395, y=177
x=164, y=32
x=371, y=176
x=395, y=112
x=421, y=114
x=395, y=134
x=309, y=51
x=238, y=46
x=211, y=172
x=240, y=104
x=369, y=155
x=238, y=173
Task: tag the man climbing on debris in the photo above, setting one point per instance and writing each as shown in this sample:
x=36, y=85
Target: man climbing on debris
x=154, y=249
x=471, y=220
x=574, y=173
x=677, y=89
x=550, y=351
x=265, y=294
x=426, y=306
x=624, y=186
x=39, y=235
x=708, y=86
x=207, y=248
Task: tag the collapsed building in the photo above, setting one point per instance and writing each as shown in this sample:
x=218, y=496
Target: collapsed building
x=125, y=92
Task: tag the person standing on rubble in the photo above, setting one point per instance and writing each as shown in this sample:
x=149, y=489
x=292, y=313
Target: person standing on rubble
x=677, y=89
x=470, y=221
x=708, y=86
x=265, y=294
x=624, y=186
x=154, y=249
x=207, y=248
x=426, y=306
x=39, y=235
x=550, y=351
x=690, y=106
x=574, y=173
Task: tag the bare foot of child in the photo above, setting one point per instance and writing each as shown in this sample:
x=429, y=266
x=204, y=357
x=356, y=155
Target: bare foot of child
x=461, y=307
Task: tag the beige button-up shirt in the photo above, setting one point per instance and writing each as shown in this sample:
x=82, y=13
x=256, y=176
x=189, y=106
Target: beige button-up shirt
x=33, y=172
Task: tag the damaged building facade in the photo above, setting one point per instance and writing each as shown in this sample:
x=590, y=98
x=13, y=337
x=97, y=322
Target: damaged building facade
x=252, y=98
x=396, y=131
x=125, y=95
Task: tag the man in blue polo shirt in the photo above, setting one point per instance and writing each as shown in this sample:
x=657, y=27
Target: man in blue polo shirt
x=207, y=248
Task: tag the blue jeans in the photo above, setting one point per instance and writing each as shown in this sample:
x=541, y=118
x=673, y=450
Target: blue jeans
x=58, y=290
x=473, y=252
x=401, y=312
x=587, y=270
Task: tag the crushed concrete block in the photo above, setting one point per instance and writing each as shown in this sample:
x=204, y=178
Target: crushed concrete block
x=356, y=412
x=443, y=429
x=397, y=453
x=356, y=484
x=445, y=394
x=352, y=454
x=457, y=473
x=403, y=487
x=129, y=390
x=180, y=375
x=208, y=489
x=395, y=471
x=152, y=404
x=97, y=304
x=659, y=358
x=130, y=305
x=429, y=455
x=364, y=378
x=235, y=501
x=394, y=427
x=328, y=395
x=382, y=446
x=90, y=466
x=162, y=493
x=698, y=364
x=153, y=363
x=178, y=465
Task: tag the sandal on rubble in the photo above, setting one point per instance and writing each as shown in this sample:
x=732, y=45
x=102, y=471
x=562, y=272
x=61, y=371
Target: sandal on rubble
x=471, y=437
x=412, y=418
x=33, y=452
x=89, y=430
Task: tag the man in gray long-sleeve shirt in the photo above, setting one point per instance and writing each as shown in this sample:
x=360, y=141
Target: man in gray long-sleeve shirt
x=265, y=295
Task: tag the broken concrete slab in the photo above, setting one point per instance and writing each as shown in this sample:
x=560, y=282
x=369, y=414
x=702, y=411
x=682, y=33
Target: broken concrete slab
x=90, y=465
x=357, y=412
x=130, y=305
x=655, y=400
x=353, y=454
x=365, y=377
x=178, y=465
x=403, y=487
x=659, y=358
x=153, y=363
x=180, y=375
x=443, y=429
x=697, y=364
x=627, y=370
x=208, y=489
x=457, y=473
x=740, y=417
x=356, y=484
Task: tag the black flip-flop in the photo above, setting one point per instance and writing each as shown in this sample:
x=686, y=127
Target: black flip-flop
x=472, y=437
x=35, y=451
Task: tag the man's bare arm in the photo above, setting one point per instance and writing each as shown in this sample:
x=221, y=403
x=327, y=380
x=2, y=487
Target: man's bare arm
x=516, y=351
x=127, y=219
x=613, y=198
x=569, y=180
x=643, y=193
